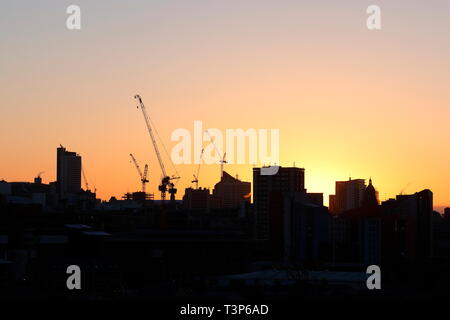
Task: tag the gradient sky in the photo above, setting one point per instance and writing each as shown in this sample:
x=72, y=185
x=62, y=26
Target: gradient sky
x=348, y=101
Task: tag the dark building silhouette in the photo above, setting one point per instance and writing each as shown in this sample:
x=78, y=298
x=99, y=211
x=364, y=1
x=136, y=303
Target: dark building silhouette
x=447, y=213
x=370, y=196
x=349, y=195
x=289, y=179
x=230, y=192
x=332, y=203
x=204, y=246
x=357, y=233
x=299, y=229
x=315, y=198
x=64, y=193
x=138, y=196
x=441, y=235
x=68, y=171
x=408, y=227
x=28, y=192
x=38, y=180
x=397, y=231
x=196, y=199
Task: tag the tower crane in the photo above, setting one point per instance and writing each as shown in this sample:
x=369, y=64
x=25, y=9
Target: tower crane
x=222, y=160
x=143, y=176
x=85, y=180
x=166, y=182
x=198, y=171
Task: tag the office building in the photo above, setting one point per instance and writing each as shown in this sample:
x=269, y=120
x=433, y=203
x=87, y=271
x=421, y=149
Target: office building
x=408, y=227
x=68, y=171
x=288, y=179
x=299, y=229
x=349, y=195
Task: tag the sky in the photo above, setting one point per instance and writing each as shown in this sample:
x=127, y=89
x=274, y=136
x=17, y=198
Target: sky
x=348, y=101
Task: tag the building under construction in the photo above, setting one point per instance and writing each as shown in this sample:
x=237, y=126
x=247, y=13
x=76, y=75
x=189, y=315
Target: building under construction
x=138, y=196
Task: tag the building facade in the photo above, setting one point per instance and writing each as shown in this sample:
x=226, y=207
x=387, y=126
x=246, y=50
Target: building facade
x=288, y=179
x=349, y=195
x=68, y=171
x=230, y=192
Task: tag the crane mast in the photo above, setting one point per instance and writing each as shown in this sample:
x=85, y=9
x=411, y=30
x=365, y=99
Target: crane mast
x=222, y=160
x=198, y=171
x=166, y=184
x=143, y=176
x=152, y=137
x=84, y=178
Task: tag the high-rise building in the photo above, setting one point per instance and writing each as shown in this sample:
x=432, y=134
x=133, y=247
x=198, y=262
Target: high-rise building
x=349, y=195
x=289, y=179
x=68, y=173
x=356, y=233
x=410, y=232
x=299, y=228
x=230, y=192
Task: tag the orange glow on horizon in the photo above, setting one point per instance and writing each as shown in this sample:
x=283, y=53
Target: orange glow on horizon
x=348, y=103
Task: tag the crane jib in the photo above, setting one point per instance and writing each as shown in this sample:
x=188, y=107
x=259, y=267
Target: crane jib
x=166, y=185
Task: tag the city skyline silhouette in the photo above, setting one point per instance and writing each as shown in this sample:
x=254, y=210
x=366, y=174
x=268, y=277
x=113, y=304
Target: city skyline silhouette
x=84, y=183
x=347, y=101
x=191, y=153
